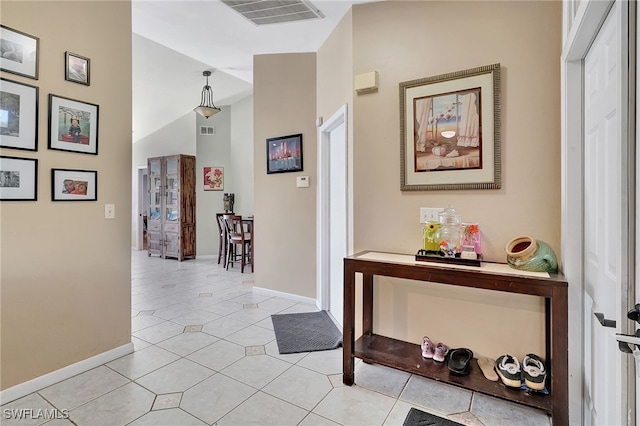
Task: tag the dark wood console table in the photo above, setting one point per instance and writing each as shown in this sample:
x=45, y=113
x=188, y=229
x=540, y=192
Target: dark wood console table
x=406, y=356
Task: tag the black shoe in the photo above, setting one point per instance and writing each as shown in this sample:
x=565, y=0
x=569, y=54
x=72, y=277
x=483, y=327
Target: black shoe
x=534, y=372
x=508, y=369
x=460, y=360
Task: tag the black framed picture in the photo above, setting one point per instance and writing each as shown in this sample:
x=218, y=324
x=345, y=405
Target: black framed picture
x=19, y=52
x=18, y=115
x=284, y=154
x=73, y=125
x=18, y=179
x=76, y=68
x=74, y=185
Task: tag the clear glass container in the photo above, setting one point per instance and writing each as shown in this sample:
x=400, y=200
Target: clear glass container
x=450, y=233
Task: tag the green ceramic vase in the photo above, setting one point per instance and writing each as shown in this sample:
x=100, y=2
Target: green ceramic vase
x=528, y=254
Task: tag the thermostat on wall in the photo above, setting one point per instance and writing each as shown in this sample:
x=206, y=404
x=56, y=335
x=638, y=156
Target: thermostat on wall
x=302, y=181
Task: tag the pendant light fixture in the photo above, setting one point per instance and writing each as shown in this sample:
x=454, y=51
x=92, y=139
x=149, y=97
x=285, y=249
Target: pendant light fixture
x=207, y=107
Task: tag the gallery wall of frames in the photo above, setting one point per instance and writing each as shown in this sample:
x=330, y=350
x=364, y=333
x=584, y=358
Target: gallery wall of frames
x=72, y=123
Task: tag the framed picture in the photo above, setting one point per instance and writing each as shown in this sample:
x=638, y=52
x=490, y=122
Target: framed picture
x=18, y=115
x=76, y=68
x=450, y=131
x=284, y=154
x=19, y=52
x=213, y=178
x=73, y=125
x=18, y=179
x=74, y=185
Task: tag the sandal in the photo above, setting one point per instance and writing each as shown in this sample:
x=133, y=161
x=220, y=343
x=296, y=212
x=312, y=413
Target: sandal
x=487, y=367
x=440, y=352
x=427, y=348
x=460, y=361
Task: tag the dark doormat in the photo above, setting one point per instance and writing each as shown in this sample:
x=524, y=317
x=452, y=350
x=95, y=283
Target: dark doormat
x=305, y=332
x=417, y=417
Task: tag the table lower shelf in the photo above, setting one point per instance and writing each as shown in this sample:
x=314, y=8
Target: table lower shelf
x=407, y=357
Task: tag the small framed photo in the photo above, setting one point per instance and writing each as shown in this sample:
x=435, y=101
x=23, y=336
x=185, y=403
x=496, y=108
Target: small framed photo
x=214, y=179
x=19, y=52
x=18, y=179
x=284, y=154
x=74, y=185
x=18, y=115
x=73, y=125
x=76, y=68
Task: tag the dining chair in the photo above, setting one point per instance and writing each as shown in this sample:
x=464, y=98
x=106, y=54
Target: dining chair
x=222, y=244
x=236, y=236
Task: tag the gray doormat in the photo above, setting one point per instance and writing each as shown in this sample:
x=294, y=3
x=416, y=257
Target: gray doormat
x=305, y=332
x=417, y=417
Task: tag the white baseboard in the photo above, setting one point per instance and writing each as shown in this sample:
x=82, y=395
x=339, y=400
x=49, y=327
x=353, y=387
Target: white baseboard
x=284, y=295
x=206, y=256
x=33, y=385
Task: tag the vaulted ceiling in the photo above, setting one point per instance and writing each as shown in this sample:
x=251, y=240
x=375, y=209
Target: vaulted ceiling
x=175, y=41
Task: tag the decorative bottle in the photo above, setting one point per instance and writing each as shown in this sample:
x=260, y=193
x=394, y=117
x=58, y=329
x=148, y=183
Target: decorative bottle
x=430, y=240
x=450, y=233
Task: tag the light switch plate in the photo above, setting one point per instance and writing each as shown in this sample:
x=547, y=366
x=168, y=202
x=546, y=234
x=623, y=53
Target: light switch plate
x=429, y=214
x=109, y=211
x=302, y=181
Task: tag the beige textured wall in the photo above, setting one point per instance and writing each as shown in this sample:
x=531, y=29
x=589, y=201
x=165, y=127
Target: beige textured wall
x=65, y=270
x=410, y=40
x=284, y=103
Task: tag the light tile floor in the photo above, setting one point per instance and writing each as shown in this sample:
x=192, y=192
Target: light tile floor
x=205, y=353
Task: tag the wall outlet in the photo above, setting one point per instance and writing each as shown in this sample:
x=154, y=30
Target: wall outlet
x=429, y=214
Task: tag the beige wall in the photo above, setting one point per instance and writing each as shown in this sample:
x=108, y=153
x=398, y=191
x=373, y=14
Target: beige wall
x=410, y=40
x=284, y=103
x=65, y=270
x=335, y=71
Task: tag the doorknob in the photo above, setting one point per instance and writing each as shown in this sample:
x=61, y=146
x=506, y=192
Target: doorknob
x=604, y=321
x=634, y=314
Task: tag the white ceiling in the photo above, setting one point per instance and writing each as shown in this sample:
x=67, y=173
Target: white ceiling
x=174, y=41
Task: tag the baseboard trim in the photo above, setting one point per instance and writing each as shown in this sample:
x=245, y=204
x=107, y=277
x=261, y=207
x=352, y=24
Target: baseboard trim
x=33, y=385
x=206, y=256
x=284, y=295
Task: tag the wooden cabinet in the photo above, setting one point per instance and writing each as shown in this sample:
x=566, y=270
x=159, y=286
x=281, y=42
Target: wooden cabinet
x=406, y=356
x=171, y=220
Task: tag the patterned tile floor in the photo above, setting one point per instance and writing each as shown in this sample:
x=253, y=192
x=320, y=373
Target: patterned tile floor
x=205, y=354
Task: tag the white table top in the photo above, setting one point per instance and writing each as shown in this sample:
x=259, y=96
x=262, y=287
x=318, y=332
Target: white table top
x=486, y=267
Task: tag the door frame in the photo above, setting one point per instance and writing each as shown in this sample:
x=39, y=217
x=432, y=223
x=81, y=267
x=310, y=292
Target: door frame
x=582, y=21
x=322, y=222
x=138, y=221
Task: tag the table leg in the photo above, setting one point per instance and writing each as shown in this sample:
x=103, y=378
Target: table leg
x=252, y=246
x=367, y=303
x=348, y=332
x=560, y=357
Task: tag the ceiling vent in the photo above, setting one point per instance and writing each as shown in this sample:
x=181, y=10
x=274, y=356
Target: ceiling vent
x=263, y=12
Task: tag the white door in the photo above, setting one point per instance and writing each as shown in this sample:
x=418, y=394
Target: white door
x=605, y=226
x=337, y=219
x=333, y=230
